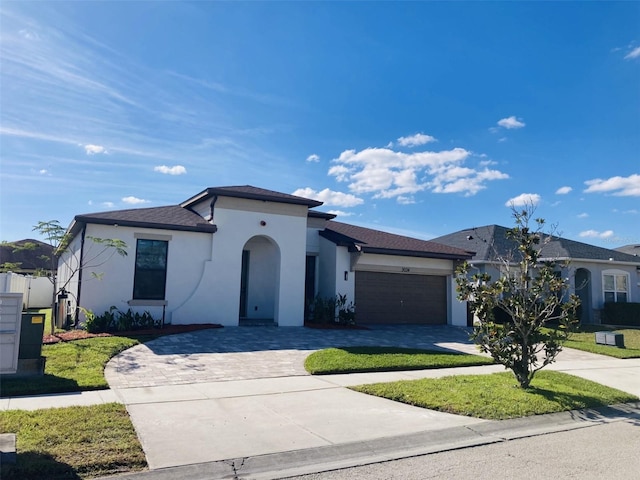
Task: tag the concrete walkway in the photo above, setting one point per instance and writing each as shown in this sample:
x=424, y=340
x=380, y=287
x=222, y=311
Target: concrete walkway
x=240, y=393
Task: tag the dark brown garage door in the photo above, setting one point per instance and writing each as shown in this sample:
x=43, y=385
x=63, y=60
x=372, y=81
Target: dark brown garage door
x=398, y=298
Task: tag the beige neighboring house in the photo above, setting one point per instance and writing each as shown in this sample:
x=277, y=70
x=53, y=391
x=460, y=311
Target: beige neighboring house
x=597, y=275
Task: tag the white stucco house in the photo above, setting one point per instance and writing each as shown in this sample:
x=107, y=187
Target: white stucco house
x=596, y=275
x=230, y=255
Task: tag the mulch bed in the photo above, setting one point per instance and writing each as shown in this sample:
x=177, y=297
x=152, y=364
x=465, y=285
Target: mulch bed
x=166, y=330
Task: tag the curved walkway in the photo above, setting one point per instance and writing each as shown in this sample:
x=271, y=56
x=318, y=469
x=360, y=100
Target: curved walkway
x=243, y=353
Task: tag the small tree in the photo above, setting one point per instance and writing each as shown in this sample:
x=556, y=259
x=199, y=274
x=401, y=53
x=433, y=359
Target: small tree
x=59, y=238
x=531, y=294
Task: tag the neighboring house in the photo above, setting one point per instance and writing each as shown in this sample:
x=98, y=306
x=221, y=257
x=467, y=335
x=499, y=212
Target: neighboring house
x=29, y=256
x=596, y=274
x=231, y=255
x=632, y=249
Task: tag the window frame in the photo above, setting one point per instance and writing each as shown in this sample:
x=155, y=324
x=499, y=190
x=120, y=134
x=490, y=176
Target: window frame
x=160, y=289
x=616, y=291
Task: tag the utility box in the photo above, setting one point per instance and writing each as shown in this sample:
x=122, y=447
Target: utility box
x=610, y=338
x=31, y=332
x=10, y=325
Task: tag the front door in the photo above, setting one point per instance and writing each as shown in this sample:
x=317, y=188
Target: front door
x=244, y=277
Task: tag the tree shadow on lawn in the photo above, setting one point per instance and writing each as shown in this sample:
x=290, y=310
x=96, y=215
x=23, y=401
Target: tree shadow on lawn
x=36, y=385
x=591, y=407
x=37, y=466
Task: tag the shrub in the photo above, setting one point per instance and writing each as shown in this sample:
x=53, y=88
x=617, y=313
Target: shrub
x=332, y=310
x=621, y=313
x=114, y=320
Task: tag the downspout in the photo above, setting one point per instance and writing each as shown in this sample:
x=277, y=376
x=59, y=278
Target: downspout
x=84, y=231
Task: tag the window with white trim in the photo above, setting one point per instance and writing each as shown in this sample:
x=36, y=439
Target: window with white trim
x=615, y=287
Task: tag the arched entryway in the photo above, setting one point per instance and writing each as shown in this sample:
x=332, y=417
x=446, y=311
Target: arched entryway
x=260, y=280
x=583, y=291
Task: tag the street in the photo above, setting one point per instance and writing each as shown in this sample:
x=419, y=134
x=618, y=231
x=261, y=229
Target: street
x=610, y=451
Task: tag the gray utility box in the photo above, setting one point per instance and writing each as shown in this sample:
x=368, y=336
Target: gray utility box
x=610, y=338
x=10, y=309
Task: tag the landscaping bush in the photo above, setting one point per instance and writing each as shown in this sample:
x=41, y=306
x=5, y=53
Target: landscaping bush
x=115, y=320
x=621, y=313
x=331, y=310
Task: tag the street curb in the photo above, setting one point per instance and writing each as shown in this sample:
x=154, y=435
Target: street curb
x=333, y=457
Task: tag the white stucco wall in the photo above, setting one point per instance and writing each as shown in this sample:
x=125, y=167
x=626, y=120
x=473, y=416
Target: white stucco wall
x=186, y=255
x=238, y=221
x=69, y=273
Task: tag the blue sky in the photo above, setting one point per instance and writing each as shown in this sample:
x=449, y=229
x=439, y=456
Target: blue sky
x=419, y=118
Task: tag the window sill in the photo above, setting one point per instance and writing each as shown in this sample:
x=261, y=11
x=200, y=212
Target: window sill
x=147, y=303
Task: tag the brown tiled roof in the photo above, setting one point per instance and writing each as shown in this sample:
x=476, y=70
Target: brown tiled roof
x=252, y=193
x=29, y=258
x=172, y=217
x=376, y=241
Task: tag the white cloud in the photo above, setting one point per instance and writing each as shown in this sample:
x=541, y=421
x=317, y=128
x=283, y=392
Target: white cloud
x=415, y=140
x=511, y=122
x=175, y=170
x=134, y=200
x=402, y=200
x=618, y=186
x=563, y=190
x=523, y=200
x=386, y=173
x=108, y=204
x=313, y=158
x=93, y=149
x=635, y=53
x=43, y=171
x=596, y=234
x=340, y=213
x=583, y=215
x=329, y=197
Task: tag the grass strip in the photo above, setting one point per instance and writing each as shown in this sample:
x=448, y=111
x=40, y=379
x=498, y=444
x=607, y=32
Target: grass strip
x=379, y=359
x=74, y=442
x=497, y=396
x=584, y=339
x=70, y=367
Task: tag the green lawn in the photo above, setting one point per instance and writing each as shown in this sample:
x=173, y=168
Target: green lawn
x=497, y=396
x=71, y=443
x=378, y=359
x=584, y=339
x=70, y=367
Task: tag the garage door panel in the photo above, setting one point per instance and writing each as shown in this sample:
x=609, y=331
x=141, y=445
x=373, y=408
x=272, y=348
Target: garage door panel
x=398, y=298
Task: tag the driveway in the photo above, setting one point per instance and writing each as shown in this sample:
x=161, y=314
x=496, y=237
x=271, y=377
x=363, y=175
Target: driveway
x=243, y=353
x=241, y=392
